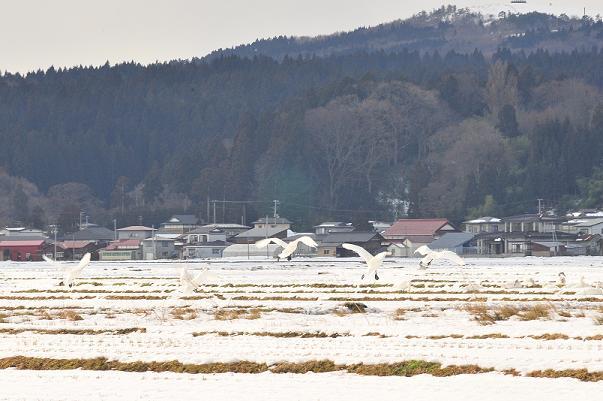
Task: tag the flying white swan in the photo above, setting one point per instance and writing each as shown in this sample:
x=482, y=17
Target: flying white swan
x=288, y=248
x=430, y=256
x=373, y=262
x=190, y=283
x=70, y=273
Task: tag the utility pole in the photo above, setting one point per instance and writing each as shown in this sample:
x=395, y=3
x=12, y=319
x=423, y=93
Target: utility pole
x=208, y=208
x=266, y=236
x=115, y=229
x=276, y=203
x=214, y=212
x=55, y=229
x=540, y=206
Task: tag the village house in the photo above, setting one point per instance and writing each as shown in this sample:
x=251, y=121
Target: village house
x=583, y=226
x=266, y=227
x=100, y=234
x=459, y=243
x=21, y=248
x=330, y=245
x=135, y=232
x=22, y=232
x=204, y=242
x=405, y=236
x=483, y=225
x=159, y=248
x=125, y=249
x=230, y=229
x=333, y=227
x=73, y=250
x=180, y=224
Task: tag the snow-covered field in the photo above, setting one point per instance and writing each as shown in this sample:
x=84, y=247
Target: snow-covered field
x=270, y=312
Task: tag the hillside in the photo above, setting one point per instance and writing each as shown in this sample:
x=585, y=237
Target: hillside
x=445, y=29
x=351, y=135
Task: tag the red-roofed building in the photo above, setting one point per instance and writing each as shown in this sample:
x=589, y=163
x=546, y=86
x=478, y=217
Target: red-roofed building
x=21, y=250
x=406, y=235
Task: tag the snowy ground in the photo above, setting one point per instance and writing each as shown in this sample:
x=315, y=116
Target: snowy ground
x=430, y=322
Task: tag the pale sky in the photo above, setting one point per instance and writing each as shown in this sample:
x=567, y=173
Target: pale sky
x=40, y=33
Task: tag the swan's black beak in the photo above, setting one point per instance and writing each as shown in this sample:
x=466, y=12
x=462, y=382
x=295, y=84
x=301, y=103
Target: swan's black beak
x=376, y=277
x=362, y=277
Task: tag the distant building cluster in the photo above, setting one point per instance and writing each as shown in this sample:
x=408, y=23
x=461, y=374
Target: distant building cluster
x=182, y=237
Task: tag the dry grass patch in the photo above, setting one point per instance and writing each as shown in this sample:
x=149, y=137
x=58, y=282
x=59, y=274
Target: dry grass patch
x=550, y=336
x=232, y=314
x=485, y=314
x=399, y=314
x=76, y=331
x=135, y=297
x=70, y=315
x=487, y=336
x=580, y=374
x=598, y=320
x=287, y=334
x=183, y=313
x=536, y=312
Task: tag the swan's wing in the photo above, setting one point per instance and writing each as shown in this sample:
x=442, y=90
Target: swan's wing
x=185, y=275
x=308, y=241
x=363, y=253
x=84, y=261
x=451, y=256
x=263, y=243
x=423, y=250
x=53, y=263
x=288, y=249
x=204, y=276
x=376, y=262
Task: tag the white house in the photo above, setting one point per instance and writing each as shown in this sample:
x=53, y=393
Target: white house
x=135, y=232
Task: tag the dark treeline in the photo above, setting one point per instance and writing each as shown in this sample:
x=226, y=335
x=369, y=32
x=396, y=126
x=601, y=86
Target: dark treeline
x=349, y=136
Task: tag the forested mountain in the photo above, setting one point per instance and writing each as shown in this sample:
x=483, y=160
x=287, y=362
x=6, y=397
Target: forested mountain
x=345, y=134
x=445, y=29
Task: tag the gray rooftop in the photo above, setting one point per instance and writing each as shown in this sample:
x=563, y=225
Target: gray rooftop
x=260, y=233
x=451, y=241
x=353, y=237
x=91, y=234
x=272, y=220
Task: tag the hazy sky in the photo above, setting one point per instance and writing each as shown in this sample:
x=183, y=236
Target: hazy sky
x=40, y=33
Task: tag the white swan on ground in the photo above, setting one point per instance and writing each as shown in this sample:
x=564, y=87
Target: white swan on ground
x=512, y=285
x=470, y=286
x=529, y=283
x=372, y=262
x=288, y=248
x=70, y=273
x=581, y=288
x=190, y=283
x=404, y=286
x=431, y=255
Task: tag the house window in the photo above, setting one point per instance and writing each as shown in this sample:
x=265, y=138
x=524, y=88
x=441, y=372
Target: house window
x=164, y=244
x=516, y=248
x=215, y=251
x=327, y=251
